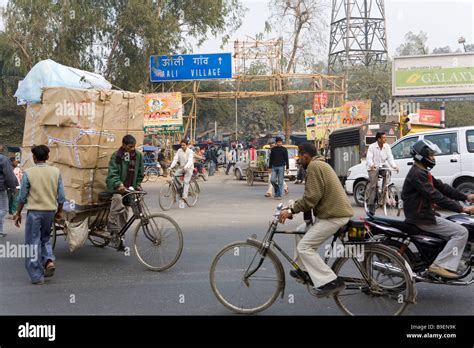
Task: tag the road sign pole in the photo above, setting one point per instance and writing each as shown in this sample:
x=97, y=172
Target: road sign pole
x=236, y=121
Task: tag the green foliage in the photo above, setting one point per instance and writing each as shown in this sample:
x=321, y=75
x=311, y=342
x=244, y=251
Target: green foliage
x=372, y=83
x=114, y=37
x=415, y=44
x=111, y=37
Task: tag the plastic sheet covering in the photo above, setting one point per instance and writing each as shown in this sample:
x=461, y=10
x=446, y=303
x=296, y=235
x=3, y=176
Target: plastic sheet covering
x=48, y=73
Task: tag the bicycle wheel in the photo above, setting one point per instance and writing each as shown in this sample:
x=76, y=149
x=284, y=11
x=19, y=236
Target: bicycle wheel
x=152, y=174
x=380, y=284
x=167, y=196
x=392, y=204
x=366, y=198
x=257, y=292
x=158, y=242
x=145, y=176
x=193, y=193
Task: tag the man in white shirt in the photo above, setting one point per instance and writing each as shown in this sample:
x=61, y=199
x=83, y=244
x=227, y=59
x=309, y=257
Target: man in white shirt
x=231, y=159
x=184, y=159
x=379, y=153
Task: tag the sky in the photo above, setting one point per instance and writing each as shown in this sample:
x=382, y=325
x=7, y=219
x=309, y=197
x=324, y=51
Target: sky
x=444, y=21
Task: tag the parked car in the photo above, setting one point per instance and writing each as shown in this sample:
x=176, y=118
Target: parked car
x=454, y=166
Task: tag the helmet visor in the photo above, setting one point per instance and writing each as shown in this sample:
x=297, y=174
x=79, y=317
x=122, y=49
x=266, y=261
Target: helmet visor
x=433, y=149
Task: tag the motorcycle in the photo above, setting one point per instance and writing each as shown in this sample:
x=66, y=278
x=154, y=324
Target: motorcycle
x=420, y=248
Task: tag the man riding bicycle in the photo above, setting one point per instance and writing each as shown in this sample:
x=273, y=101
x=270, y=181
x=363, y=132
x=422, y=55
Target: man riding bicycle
x=184, y=157
x=378, y=154
x=125, y=170
x=324, y=195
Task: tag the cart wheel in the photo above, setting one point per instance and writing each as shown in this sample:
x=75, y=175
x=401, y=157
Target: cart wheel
x=249, y=177
x=53, y=236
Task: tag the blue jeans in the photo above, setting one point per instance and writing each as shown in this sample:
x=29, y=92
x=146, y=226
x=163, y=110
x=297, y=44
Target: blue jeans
x=37, y=234
x=278, y=176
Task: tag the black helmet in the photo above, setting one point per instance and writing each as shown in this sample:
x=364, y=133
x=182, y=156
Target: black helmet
x=422, y=149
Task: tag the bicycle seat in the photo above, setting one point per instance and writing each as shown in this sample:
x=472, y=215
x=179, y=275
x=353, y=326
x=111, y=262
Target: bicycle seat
x=105, y=196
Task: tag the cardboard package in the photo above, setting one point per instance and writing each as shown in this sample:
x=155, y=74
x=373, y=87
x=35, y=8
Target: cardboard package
x=92, y=109
x=89, y=151
x=82, y=129
x=32, y=134
x=82, y=185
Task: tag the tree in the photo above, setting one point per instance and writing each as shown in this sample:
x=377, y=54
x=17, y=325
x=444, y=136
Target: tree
x=415, y=44
x=111, y=37
x=372, y=83
x=302, y=24
x=114, y=37
x=445, y=49
x=470, y=48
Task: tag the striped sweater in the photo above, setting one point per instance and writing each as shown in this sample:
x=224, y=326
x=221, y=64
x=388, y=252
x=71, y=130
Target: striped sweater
x=323, y=193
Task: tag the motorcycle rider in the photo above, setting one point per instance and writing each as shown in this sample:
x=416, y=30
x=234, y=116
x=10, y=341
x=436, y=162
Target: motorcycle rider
x=420, y=192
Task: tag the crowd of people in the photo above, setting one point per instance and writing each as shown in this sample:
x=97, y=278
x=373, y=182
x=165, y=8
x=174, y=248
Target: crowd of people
x=40, y=189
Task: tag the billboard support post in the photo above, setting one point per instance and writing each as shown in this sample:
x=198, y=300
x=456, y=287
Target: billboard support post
x=443, y=114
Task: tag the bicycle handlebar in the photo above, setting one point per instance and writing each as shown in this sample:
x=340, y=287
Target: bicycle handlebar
x=129, y=192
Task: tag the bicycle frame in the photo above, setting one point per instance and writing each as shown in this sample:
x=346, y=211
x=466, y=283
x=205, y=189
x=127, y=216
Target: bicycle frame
x=268, y=242
x=104, y=212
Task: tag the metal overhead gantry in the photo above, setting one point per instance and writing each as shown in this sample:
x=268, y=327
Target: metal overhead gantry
x=269, y=53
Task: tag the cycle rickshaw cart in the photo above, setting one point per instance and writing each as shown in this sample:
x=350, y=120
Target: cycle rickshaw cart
x=157, y=238
x=151, y=164
x=258, y=169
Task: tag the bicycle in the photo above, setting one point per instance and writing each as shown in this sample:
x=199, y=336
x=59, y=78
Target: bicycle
x=158, y=239
x=151, y=173
x=247, y=276
x=172, y=192
x=387, y=195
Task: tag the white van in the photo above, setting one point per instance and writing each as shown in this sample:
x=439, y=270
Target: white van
x=455, y=166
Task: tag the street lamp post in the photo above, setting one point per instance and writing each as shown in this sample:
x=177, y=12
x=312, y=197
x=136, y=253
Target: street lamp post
x=462, y=41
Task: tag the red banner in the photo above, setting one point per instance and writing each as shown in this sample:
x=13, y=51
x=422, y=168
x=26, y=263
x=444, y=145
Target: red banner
x=427, y=117
x=319, y=102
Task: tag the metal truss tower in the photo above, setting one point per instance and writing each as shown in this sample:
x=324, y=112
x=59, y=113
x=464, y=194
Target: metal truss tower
x=357, y=34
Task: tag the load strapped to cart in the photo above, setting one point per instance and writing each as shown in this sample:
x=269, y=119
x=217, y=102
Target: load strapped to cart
x=82, y=127
x=259, y=168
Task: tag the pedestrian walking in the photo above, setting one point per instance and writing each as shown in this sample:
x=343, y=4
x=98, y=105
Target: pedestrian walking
x=42, y=192
x=7, y=182
x=13, y=194
x=276, y=166
x=231, y=159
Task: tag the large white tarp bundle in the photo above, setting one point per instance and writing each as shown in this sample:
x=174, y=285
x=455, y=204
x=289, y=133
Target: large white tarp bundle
x=48, y=73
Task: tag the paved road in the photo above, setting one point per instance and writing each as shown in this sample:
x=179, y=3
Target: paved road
x=104, y=281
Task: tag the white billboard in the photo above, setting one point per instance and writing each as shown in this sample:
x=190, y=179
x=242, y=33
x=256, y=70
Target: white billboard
x=440, y=74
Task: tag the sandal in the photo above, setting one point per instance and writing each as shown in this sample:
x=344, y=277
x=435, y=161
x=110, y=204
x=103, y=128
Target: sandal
x=268, y=194
x=49, y=269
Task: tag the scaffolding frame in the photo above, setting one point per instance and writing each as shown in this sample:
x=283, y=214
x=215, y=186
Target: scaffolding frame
x=269, y=53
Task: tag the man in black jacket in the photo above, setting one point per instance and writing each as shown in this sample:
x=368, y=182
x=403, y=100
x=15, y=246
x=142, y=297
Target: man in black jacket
x=7, y=181
x=278, y=161
x=420, y=192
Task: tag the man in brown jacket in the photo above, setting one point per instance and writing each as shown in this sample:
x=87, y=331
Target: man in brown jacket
x=325, y=195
